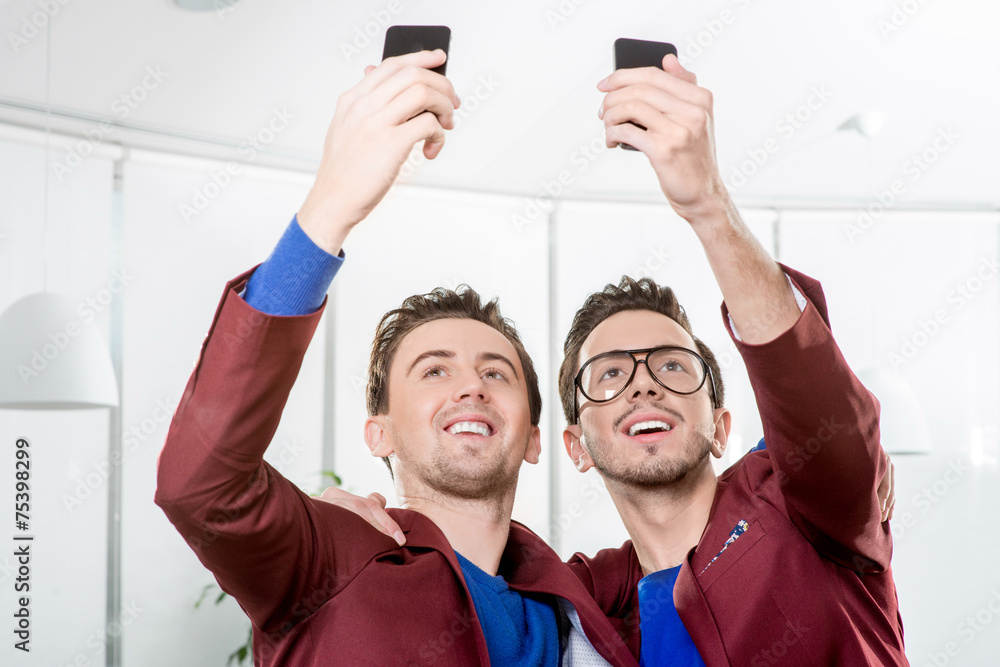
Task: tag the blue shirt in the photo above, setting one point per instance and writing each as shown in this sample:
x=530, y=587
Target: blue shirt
x=665, y=640
x=295, y=278
x=519, y=630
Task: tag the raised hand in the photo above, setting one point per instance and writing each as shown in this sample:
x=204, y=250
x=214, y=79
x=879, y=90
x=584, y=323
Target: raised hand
x=679, y=137
x=375, y=125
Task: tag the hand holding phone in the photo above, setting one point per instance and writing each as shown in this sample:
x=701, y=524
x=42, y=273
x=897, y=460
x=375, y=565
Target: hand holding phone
x=632, y=53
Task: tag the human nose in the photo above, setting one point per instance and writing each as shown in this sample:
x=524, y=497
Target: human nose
x=471, y=387
x=643, y=383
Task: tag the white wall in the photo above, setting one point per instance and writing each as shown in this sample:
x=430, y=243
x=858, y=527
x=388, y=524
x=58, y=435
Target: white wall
x=882, y=287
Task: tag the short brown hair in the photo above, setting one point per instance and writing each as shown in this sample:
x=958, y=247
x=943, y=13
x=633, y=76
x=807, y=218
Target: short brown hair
x=441, y=303
x=628, y=294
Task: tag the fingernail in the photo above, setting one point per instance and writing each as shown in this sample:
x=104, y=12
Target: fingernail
x=600, y=112
x=603, y=81
x=400, y=539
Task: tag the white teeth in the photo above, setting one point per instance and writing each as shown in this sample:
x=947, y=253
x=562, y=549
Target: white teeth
x=646, y=426
x=470, y=427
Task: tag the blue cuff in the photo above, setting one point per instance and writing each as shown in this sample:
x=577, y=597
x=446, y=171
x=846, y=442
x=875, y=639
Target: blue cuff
x=295, y=278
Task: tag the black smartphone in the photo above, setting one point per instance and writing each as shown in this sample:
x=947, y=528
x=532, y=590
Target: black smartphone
x=403, y=39
x=631, y=53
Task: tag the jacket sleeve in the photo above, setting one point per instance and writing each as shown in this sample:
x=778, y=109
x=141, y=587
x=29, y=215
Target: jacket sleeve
x=280, y=553
x=822, y=432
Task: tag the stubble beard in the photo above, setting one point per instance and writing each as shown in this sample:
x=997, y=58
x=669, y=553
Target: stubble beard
x=471, y=475
x=654, y=471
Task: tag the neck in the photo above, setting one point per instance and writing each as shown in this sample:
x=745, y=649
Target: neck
x=665, y=522
x=476, y=528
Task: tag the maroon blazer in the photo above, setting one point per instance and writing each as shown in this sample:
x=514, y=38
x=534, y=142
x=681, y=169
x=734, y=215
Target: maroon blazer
x=320, y=585
x=808, y=582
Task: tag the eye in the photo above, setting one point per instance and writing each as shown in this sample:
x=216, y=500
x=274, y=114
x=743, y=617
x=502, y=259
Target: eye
x=495, y=374
x=673, y=365
x=434, y=372
x=611, y=373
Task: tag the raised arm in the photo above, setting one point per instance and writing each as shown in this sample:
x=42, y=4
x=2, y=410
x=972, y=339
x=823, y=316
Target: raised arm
x=821, y=425
x=279, y=552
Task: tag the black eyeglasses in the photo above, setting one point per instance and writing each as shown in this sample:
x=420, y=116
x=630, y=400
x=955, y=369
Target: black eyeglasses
x=604, y=377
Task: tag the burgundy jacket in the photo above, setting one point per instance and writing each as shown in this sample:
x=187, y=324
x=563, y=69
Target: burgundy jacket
x=808, y=582
x=320, y=585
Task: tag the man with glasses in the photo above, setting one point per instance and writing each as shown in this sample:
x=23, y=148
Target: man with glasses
x=784, y=558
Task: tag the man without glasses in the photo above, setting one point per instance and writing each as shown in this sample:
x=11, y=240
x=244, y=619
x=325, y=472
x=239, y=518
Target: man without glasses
x=454, y=408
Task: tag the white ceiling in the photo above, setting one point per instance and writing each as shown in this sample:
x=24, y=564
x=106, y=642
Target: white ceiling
x=227, y=72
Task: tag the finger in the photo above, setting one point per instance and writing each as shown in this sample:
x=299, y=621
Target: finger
x=689, y=120
x=652, y=76
x=432, y=149
x=333, y=493
x=416, y=100
x=627, y=133
x=672, y=65
x=659, y=99
x=400, y=71
x=424, y=127
x=377, y=497
x=379, y=518
x=369, y=69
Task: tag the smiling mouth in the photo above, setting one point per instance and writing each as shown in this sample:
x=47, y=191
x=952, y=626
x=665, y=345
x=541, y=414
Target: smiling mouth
x=475, y=428
x=646, y=427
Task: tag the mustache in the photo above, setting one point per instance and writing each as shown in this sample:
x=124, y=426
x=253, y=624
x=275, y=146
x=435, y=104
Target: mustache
x=649, y=406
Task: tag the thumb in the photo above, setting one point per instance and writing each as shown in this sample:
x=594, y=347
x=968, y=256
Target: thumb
x=671, y=65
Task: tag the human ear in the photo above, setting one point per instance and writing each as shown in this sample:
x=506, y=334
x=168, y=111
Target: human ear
x=573, y=441
x=723, y=422
x=534, y=450
x=377, y=436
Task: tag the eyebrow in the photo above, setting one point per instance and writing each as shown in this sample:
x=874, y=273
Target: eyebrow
x=448, y=354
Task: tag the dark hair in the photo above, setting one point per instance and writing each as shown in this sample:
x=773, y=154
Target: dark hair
x=441, y=303
x=629, y=294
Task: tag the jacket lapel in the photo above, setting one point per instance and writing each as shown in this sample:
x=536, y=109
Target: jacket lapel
x=697, y=617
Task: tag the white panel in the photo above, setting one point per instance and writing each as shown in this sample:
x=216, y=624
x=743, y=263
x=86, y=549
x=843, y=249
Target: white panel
x=178, y=272
x=597, y=244
x=916, y=295
x=416, y=241
x=68, y=463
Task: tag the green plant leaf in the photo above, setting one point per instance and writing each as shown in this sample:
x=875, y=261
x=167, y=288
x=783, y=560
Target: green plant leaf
x=204, y=593
x=332, y=475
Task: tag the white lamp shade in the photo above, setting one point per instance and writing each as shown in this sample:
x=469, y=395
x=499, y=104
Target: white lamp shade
x=902, y=423
x=52, y=357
